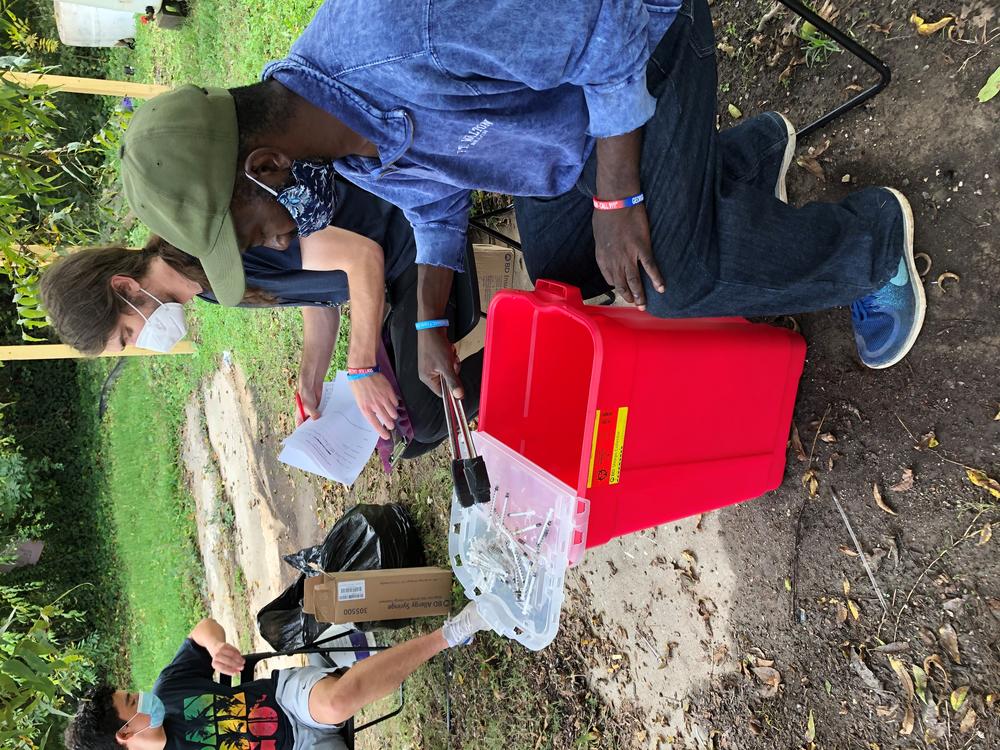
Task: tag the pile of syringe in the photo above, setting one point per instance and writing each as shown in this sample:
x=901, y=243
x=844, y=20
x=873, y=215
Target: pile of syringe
x=510, y=552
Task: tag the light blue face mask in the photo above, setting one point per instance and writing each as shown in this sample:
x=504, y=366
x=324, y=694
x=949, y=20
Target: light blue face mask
x=151, y=705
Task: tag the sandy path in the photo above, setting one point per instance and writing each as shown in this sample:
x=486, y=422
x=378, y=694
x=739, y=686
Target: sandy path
x=664, y=598
x=250, y=511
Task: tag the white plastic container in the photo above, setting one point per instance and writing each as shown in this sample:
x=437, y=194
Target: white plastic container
x=511, y=554
x=84, y=26
x=130, y=6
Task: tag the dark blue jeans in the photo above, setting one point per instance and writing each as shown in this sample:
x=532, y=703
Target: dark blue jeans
x=724, y=243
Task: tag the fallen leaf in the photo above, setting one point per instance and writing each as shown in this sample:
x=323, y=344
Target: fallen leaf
x=934, y=730
x=981, y=479
x=812, y=166
x=800, y=452
x=841, y=613
x=880, y=502
x=905, y=482
x=949, y=642
x=853, y=607
x=828, y=437
x=906, y=726
x=968, y=721
x=809, y=480
x=788, y=584
x=954, y=606
x=810, y=727
x=928, y=440
x=957, y=698
x=832, y=460
x=991, y=88
x=818, y=151
x=885, y=711
x=926, y=29
x=845, y=550
x=846, y=586
x=935, y=661
x=880, y=29
x=734, y=112
x=920, y=683
x=896, y=647
x=947, y=276
x=997, y=417
x=727, y=48
x=719, y=655
x=985, y=534
x=867, y=676
x=770, y=679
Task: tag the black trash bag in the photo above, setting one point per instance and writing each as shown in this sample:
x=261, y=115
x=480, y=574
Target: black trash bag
x=367, y=537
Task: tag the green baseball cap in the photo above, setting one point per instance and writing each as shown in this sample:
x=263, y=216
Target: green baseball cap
x=178, y=168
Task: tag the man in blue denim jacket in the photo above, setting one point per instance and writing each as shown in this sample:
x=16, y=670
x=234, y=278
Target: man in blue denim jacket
x=599, y=116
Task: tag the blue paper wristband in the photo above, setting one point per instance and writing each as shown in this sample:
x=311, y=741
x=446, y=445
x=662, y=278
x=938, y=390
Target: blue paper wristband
x=359, y=375
x=423, y=325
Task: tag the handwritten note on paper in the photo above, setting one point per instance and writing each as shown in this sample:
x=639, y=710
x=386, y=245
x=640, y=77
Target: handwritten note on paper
x=338, y=444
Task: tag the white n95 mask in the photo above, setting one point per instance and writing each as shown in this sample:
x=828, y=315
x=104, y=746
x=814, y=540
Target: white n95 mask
x=164, y=328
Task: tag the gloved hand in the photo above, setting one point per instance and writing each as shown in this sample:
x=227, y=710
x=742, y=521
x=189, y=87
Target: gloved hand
x=459, y=630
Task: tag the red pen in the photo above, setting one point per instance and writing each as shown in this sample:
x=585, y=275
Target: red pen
x=300, y=407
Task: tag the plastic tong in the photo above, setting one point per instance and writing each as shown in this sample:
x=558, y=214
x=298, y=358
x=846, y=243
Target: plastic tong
x=468, y=470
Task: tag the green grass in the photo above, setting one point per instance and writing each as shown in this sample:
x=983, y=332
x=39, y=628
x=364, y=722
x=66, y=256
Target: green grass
x=160, y=569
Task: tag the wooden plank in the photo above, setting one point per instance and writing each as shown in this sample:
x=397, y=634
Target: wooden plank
x=101, y=86
x=61, y=351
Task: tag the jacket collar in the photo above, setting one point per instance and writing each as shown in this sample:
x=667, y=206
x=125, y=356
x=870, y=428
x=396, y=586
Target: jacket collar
x=391, y=131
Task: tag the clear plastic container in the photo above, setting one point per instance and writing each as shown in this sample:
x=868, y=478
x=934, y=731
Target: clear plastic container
x=511, y=554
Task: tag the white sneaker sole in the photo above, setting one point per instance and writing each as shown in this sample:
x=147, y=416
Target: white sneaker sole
x=915, y=282
x=780, y=192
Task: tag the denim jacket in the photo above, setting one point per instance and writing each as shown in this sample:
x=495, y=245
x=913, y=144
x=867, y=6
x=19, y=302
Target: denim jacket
x=499, y=95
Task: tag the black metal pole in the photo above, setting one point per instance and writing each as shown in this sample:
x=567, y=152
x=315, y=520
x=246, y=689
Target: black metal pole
x=885, y=75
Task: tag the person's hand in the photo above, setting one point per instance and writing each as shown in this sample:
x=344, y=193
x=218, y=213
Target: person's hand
x=459, y=630
x=226, y=658
x=622, y=243
x=437, y=361
x=378, y=402
x=310, y=392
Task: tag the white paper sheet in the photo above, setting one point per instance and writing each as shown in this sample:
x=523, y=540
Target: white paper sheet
x=338, y=444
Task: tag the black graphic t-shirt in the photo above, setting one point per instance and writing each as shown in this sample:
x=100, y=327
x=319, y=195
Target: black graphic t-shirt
x=201, y=714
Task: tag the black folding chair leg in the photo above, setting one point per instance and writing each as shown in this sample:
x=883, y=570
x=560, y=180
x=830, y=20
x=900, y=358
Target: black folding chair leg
x=862, y=53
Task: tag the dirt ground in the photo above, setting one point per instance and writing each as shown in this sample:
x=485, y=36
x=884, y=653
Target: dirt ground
x=757, y=626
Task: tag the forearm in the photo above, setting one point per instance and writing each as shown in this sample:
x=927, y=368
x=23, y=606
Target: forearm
x=433, y=291
x=366, y=280
x=618, y=165
x=319, y=337
x=380, y=674
x=208, y=634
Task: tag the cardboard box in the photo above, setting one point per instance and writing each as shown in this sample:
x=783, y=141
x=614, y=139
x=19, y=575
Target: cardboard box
x=366, y=595
x=496, y=268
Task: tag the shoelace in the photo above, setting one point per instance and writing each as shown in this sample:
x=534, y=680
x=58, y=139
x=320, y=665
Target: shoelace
x=863, y=307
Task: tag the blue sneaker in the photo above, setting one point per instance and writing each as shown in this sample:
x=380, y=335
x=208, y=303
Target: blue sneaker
x=780, y=192
x=887, y=322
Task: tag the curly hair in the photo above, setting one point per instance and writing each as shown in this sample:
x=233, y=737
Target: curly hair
x=96, y=722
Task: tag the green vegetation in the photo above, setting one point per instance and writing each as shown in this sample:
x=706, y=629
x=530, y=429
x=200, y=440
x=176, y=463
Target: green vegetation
x=160, y=568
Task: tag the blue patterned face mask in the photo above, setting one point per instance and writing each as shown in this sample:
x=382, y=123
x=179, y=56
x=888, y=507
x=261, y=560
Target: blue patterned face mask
x=310, y=199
